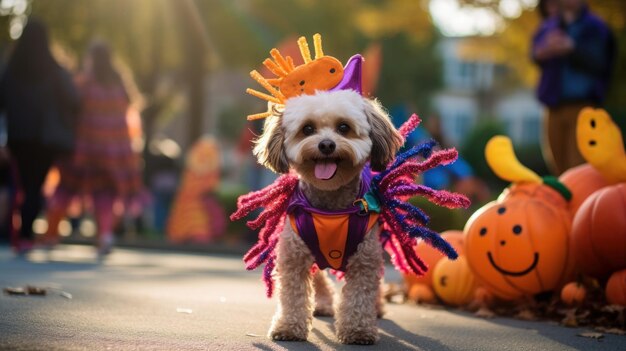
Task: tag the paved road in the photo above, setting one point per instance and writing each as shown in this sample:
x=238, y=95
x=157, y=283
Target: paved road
x=130, y=302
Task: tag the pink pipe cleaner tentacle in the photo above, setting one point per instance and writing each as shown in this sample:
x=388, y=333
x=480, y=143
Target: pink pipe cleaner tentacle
x=440, y=157
x=439, y=197
x=409, y=126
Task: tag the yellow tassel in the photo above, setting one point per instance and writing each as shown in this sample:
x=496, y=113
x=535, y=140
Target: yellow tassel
x=290, y=62
x=256, y=76
x=259, y=116
x=274, y=68
x=501, y=159
x=317, y=43
x=275, y=81
x=280, y=60
x=260, y=95
x=304, y=49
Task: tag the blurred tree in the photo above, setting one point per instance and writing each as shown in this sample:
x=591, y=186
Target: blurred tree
x=163, y=37
x=473, y=150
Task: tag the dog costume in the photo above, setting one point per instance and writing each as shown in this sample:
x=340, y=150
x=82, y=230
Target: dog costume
x=333, y=236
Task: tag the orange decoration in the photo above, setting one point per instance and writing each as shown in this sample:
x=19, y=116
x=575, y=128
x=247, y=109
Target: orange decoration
x=518, y=244
x=421, y=293
x=321, y=73
x=195, y=215
x=616, y=288
x=454, y=282
x=599, y=232
x=431, y=256
x=573, y=293
x=582, y=181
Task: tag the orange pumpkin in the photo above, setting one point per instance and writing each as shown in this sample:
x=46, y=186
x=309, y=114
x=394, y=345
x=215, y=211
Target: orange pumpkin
x=454, y=282
x=616, y=288
x=582, y=181
x=599, y=232
x=431, y=256
x=573, y=293
x=518, y=244
x=421, y=293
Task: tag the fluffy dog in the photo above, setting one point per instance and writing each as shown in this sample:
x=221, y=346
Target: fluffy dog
x=328, y=138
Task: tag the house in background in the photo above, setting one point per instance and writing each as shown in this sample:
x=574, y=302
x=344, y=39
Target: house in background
x=478, y=86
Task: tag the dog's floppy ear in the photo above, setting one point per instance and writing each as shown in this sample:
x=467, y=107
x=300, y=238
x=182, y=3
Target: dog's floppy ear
x=386, y=140
x=269, y=147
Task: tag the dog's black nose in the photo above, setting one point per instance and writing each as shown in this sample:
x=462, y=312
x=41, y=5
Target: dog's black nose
x=326, y=146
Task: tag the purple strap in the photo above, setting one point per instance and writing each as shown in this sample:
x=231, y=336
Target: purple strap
x=301, y=210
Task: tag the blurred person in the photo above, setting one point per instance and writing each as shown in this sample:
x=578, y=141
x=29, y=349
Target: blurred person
x=104, y=167
x=574, y=50
x=40, y=102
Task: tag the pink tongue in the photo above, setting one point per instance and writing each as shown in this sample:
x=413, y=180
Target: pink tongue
x=325, y=170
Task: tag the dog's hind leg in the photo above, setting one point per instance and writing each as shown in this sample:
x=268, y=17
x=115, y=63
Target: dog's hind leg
x=356, y=315
x=323, y=294
x=294, y=315
x=380, y=302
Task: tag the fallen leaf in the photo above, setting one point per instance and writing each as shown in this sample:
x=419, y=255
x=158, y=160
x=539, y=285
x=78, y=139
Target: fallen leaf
x=15, y=291
x=484, y=312
x=526, y=315
x=570, y=319
x=613, y=308
x=591, y=335
x=615, y=331
x=33, y=290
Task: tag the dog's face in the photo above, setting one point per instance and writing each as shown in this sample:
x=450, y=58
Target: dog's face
x=328, y=137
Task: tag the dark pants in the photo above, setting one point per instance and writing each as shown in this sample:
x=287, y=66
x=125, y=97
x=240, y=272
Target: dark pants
x=33, y=163
x=560, y=149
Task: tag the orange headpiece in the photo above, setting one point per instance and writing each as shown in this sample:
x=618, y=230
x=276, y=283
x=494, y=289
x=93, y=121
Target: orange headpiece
x=321, y=73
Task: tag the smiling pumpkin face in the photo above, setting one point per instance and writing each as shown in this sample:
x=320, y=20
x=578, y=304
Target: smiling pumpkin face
x=518, y=245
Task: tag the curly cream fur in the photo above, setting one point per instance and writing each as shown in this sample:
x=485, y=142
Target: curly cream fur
x=283, y=145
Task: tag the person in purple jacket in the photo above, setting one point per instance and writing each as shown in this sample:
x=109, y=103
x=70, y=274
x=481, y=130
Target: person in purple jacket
x=574, y=50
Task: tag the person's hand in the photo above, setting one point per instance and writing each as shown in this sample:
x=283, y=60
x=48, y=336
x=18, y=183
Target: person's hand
x=563, y=45
x=557, y=43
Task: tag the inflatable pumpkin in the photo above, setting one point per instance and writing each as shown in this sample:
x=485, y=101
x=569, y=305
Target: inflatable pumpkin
x=599, y=232
x=454, y=282
x=421, y=293
x=518, y=244
x=431, y=256
x=616, y=288
x=573, y=293
x=601, y=144
x=582, y=181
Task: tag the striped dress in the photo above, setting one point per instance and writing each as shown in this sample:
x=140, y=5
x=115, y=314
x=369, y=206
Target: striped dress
x=103, y=159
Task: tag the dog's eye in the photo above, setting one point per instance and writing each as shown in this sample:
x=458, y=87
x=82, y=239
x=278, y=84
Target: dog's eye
x=343, y=129
x=308, y=130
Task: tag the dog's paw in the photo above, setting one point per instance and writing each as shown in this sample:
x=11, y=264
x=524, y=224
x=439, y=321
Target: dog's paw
x=357, y=337
x=288, y=333
x=380, y=312
x=324, y=310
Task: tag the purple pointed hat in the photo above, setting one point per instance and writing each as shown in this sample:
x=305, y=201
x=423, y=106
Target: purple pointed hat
x=351, y=75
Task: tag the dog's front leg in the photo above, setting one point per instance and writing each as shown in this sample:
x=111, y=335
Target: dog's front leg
x=294, y=315
x=356, y=316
